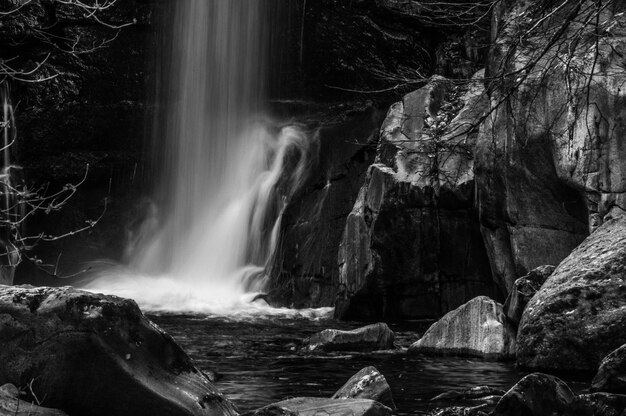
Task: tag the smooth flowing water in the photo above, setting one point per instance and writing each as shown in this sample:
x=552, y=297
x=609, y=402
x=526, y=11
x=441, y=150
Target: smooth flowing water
x=261, y=361
x=228, y=173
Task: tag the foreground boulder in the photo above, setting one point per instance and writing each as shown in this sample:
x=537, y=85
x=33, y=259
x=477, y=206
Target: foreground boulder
x=536, y=395
x=579, y=314
x=523, y=290
x=478, y=329
x=611, y=376
x=368, y=338
x=314, y=406
x=368, y=383
x=98, y=355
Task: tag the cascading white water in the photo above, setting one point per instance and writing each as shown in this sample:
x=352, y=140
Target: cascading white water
x=229, y=174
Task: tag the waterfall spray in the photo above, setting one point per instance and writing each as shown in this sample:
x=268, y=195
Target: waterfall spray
x=228, y=175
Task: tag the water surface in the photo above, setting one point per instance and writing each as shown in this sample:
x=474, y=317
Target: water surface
x=260, y=360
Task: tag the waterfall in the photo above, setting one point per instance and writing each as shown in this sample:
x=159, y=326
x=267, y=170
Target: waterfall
x=228, y=172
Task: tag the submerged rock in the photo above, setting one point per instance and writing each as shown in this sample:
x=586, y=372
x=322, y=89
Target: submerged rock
x=579, y=314
x=523, y=290
x=611, y=376
x=368, y=383
x=368, y=338
x=536, y=395
x=313, y=406
x=479, y=329
x=97, y=355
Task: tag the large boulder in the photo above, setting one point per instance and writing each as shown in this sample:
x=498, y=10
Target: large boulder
x=314, y=406
x=368, y=383
x=523, y=290
x=368, y=338
x=411, y=247
x=536, y=395
x=611, y=376
x=579, y=314
x=479, y=329
x=90, y=354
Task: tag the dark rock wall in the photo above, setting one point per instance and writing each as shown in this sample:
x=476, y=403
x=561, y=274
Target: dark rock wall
x=549, y=160
x=95, y=112
x=304, y=271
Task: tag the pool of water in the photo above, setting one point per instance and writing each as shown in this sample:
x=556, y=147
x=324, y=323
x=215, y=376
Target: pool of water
x=260, y=361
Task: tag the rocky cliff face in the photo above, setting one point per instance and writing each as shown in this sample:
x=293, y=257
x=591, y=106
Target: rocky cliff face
x=549, y=159
x=411, y=246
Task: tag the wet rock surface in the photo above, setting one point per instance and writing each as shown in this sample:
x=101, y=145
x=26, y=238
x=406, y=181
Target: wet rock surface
x=536, y=395
x=479, y=328
x=368, y=338
x=368, y=383
x=611, y=376
x=523, y=290
x=578, y=315
x=311, y=406
x=91, y=354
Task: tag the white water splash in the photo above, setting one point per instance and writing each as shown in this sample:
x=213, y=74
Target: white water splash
x=228, y=177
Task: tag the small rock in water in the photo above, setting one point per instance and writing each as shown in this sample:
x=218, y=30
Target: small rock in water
x=368, y=383
x=314, y=406
x=459, y=411
x=368, y=338
x=478, y=328
x=468, y=394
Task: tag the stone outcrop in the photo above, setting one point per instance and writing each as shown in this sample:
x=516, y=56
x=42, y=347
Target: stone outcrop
x=611, y=376
x=312, y=406
x=98, y=355
x=536, y=394
x=304, y=268
x=411, y=247
x=368, y=338
x=579, y=314
x=549, y=159
x=479, y=328
x=523, y=290
x=368, y=383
